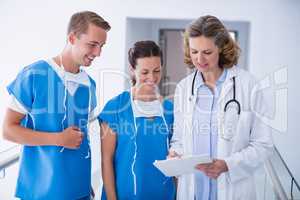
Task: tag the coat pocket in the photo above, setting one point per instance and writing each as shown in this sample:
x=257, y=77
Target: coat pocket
x=244, y=126
x=231, y=118
x=236, y=125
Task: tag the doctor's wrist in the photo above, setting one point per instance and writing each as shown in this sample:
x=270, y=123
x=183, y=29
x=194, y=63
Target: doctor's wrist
x=224, y=166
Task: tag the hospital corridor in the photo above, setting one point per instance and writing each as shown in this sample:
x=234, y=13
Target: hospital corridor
x=149, y=100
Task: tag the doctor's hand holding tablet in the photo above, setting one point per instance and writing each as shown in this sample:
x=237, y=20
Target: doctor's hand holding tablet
x=177, y=165
x=213, y=169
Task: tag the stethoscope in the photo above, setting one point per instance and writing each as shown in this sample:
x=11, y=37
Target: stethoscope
x=231, y=101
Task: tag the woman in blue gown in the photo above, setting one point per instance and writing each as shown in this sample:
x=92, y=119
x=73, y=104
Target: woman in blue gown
x=136, y=129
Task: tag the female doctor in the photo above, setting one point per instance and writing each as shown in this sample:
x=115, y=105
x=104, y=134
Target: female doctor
x=216, y=115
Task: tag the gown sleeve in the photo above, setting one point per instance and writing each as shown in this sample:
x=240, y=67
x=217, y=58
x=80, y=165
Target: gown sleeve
x=22, y=88
x=93, y=112
x=168, y=114
x=109, y=115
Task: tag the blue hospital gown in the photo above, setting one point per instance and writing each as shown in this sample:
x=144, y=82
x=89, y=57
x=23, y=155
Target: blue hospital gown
x=152, y=138
x=46, y=173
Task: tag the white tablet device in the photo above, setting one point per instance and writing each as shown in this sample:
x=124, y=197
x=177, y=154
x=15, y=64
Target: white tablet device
x=182, y=165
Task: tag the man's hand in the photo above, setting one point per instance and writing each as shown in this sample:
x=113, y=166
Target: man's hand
x=214, y=169
x=70, y=138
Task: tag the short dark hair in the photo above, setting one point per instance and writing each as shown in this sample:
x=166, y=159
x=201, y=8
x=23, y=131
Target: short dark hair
x=80, y=21
x=143, y=49
x=211, y=27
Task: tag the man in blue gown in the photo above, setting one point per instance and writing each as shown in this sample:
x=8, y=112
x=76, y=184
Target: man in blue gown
x=51, y=103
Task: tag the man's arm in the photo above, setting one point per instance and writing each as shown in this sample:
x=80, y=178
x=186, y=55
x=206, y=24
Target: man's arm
x=13, y=131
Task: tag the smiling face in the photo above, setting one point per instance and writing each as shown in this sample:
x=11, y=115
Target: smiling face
x=87, y=46
x=204, y=53
x=147, y=73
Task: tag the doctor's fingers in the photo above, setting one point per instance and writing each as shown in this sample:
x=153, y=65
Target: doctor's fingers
x=203, y=167
x=213, y=170
x=216, y=167
x=212, y=175
x=173, y=154
x=215, y=173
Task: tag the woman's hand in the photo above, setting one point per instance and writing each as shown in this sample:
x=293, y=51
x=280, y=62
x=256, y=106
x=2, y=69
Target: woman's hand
x=214, y=169
x=173, y=154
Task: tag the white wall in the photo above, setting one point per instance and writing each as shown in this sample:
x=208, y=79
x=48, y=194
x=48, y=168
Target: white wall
x=36, y=29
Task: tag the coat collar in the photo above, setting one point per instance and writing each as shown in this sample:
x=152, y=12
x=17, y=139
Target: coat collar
x=228, y=84
x=198, y=82
x=232, y=72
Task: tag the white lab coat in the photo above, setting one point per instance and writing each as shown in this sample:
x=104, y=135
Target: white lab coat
x=244, y=145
